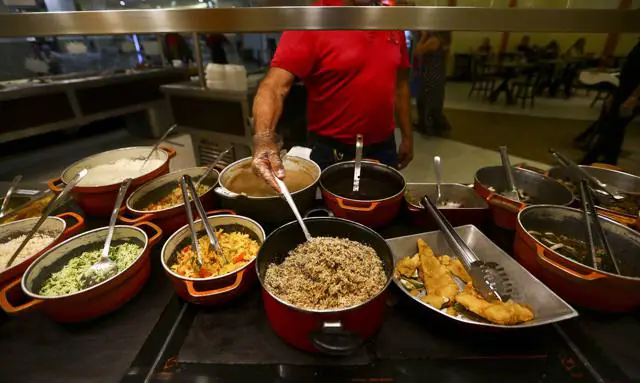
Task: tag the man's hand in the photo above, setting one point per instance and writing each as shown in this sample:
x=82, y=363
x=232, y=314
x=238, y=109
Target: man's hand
x=627, y=107
x=266, y=158
x=405, y=153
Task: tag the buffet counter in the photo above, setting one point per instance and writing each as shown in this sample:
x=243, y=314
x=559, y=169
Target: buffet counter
x=158, y=337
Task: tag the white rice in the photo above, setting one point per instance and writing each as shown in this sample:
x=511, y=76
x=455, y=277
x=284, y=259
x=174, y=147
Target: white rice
x=37, y=243
x=117, y=171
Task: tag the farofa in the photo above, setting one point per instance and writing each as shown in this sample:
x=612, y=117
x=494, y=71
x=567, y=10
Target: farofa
x=327, y=273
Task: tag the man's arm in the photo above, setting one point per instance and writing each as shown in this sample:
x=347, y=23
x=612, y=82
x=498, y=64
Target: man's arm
x=267, y=108
x=403, y=118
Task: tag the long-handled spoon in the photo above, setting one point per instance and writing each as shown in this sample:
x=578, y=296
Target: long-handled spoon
x=7, y=197
x=438, y=170
x=213, y=165
x=51, y=206
x=105, y=268
x=512, y=193
x=294, y=208
x=358, y=165
x=157, y=145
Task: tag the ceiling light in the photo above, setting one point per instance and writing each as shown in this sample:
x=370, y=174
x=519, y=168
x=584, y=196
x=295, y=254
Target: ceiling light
x=122, y=3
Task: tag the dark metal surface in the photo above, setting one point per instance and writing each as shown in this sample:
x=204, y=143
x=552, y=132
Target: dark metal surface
x=266, y=19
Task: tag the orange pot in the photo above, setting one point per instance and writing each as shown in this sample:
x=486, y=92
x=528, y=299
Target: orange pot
x=98, y=200
x=572, y=280
x=55, y=224
x=219, y=289
x=21, y=295
x=172, y=218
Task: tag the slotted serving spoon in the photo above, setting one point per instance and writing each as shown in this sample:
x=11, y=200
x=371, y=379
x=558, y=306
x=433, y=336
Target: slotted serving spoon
x=186, y=184
x=489, y=278
x=357, y=169
x=591, y=218
x=157, y=145
x=601, y=187
x=512, y=192
x=51, y=206
x=105, y=268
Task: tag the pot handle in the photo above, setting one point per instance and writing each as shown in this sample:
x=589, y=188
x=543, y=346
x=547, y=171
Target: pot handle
x=333, y=339
x=170, y=151
x=151, y=228
x=617, y=217
x=557, y=268
x=203, y=294
x=372, y=206
x=55, y=185
x=318, y=212
x=122, y=217
x=511, y=206
x=13, y=291
x=226, y=193
x=221, y=211
x=79, y=223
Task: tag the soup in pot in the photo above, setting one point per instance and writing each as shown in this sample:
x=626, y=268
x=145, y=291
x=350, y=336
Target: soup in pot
x=246, y=182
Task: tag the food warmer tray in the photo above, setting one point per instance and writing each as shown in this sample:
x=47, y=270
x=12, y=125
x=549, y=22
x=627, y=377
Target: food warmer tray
x=547, y=306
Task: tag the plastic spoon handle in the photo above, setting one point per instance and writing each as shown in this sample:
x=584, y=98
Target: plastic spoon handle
x=212, y=165
x=157, y=144
x=114, y=216
x=53, y=204
x=438, y=170
x=294, y=208
x=358, y=165
x=7, y=197
x=192, y=227
x=504, y=155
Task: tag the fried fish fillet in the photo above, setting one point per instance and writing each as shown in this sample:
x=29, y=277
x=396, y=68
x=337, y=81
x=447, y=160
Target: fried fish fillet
x=407, y=266
x=455, y=267
x=441, y=288
x=503, y=313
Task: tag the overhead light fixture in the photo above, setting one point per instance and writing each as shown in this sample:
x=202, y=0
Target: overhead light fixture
x=122, y=3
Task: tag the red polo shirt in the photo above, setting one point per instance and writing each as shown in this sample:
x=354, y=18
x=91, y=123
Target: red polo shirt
x=350, y=77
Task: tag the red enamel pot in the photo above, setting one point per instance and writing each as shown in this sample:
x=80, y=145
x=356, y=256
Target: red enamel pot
x=171, y=218
x=380, y=197
x=490, y=181
x=22, y=295
x=217, y=289
x=55, y=226
x=574, y=281
x=98, y=200
x=340, y=331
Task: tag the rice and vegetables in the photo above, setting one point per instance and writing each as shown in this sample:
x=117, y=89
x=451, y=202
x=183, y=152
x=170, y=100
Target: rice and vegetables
x=174, y=198
x=117, y=171
x=238, y=248
x=327, y=273
x=69, y=279
x=38, y=242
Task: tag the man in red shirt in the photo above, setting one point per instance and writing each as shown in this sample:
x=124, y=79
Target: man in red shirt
x=355, y=81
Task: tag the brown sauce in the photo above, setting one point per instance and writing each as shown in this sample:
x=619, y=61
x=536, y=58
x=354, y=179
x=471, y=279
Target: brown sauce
x=246, y=182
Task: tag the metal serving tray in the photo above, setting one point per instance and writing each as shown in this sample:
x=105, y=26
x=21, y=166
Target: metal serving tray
x=547, y=306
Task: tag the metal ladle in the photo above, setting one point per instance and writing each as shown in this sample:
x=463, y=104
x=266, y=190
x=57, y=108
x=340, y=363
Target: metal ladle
x=186, y=184
x=438, y=170
x=105, y=268
x=512, y=193
x=357, y=169
x=287, y=196
x=157, y=145
x=51, y=206
x=602, y=188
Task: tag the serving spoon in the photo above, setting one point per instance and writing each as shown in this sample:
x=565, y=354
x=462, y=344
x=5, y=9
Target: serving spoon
x=51, y=206
x=512, y=193
x=105, y=268
x=438, y=170
x=287, y=196
x=157, y=145
x=7, y=197
x=357, y=169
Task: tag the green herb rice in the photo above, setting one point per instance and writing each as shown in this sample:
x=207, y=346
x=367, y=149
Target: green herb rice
x=69, y=279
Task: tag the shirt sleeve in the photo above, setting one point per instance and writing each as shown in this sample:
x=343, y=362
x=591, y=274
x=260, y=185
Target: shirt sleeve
x=405, y=63
x=296, y=53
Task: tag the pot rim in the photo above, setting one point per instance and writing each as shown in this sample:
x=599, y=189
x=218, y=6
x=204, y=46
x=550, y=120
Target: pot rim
x=486, y=205
x=74, y=238
x=80, y=161
x=246, y=159
x=476, y=180
x=329, y=311
x=208, y=279
x=3, y=227
x=600, y=217
x=401, y=192
x=168, y=175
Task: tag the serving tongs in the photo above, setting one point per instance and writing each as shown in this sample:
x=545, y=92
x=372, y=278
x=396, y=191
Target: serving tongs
x=489, y=278
x=157, y=145
x=512, y=192
x=591, y=218
x=51, y=206
x=186, y=184
x=357, y=169
x=7, y=197
x=582, y=174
